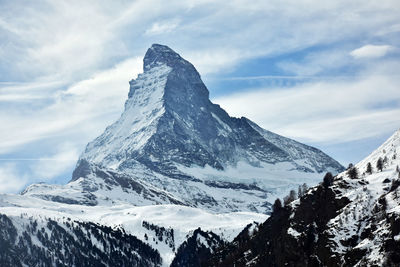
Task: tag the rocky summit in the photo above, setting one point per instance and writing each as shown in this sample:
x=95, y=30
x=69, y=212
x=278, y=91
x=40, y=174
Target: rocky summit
x=173, y=145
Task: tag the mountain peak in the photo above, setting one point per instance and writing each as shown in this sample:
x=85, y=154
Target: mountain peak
x=161, y=54
x=181, y=83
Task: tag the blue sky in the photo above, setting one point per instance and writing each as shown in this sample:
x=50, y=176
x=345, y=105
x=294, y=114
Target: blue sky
x=323, y=73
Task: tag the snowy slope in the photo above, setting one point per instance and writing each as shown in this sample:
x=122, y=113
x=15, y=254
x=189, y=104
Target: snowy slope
x=351, y=222
x=163, y=227
x=172, y=145
x=374, y=205
x=137, y=124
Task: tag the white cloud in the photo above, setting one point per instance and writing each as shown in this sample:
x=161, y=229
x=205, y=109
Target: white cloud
x=215, y=60
x=85, y=108
x=16, y=173
x=63, y=38
x=10, y=179
x=324, y=111
x=22, y=92
x=316, y=62
x=162, y=27
x=51, y=166
x=371, y=51
x=388, y=30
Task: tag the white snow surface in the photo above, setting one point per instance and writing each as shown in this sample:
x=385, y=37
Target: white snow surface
x=273, y=177
x=293, y=232
x=275, y=180
x=137, y=123
x=183, y=220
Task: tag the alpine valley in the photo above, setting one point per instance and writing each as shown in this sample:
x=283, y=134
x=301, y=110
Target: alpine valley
x=177, y=181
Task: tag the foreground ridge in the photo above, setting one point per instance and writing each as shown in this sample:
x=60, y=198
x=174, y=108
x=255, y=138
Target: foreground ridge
x=353, y=220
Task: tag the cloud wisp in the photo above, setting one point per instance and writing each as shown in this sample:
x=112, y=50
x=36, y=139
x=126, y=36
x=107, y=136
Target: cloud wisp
x=324, y=111
x=15, y=173
x=84, y=108
x=162, y=27
x=10, y=179
x=372, y=51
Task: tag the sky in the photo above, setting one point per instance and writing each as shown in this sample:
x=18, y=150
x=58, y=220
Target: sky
x=326, y=73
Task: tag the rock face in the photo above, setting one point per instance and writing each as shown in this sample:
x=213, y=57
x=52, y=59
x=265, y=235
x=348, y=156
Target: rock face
x=196, y=249
x=173, y=140
x=351, y=222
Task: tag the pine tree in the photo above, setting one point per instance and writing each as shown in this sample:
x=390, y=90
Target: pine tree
x=300, y=192
x=350, y=166
x=289, y=198
x=352, y=173
x=379, y=164
x=292, y=195
x=328, y=180
x=369, y=168
x=277, y=205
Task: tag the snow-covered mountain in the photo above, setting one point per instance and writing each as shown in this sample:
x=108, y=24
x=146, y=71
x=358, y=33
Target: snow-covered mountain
x=47, y=233
x=351, y=220
x=172, y=145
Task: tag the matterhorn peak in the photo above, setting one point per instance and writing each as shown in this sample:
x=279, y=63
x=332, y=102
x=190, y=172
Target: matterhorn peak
x=173, y=138
x=158, y=55
x=177, y=79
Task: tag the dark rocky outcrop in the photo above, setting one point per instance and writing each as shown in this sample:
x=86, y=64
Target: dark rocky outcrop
x=197, y=249
x=274, y=244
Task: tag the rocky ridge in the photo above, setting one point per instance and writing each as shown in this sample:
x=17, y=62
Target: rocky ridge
x=353, y=220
